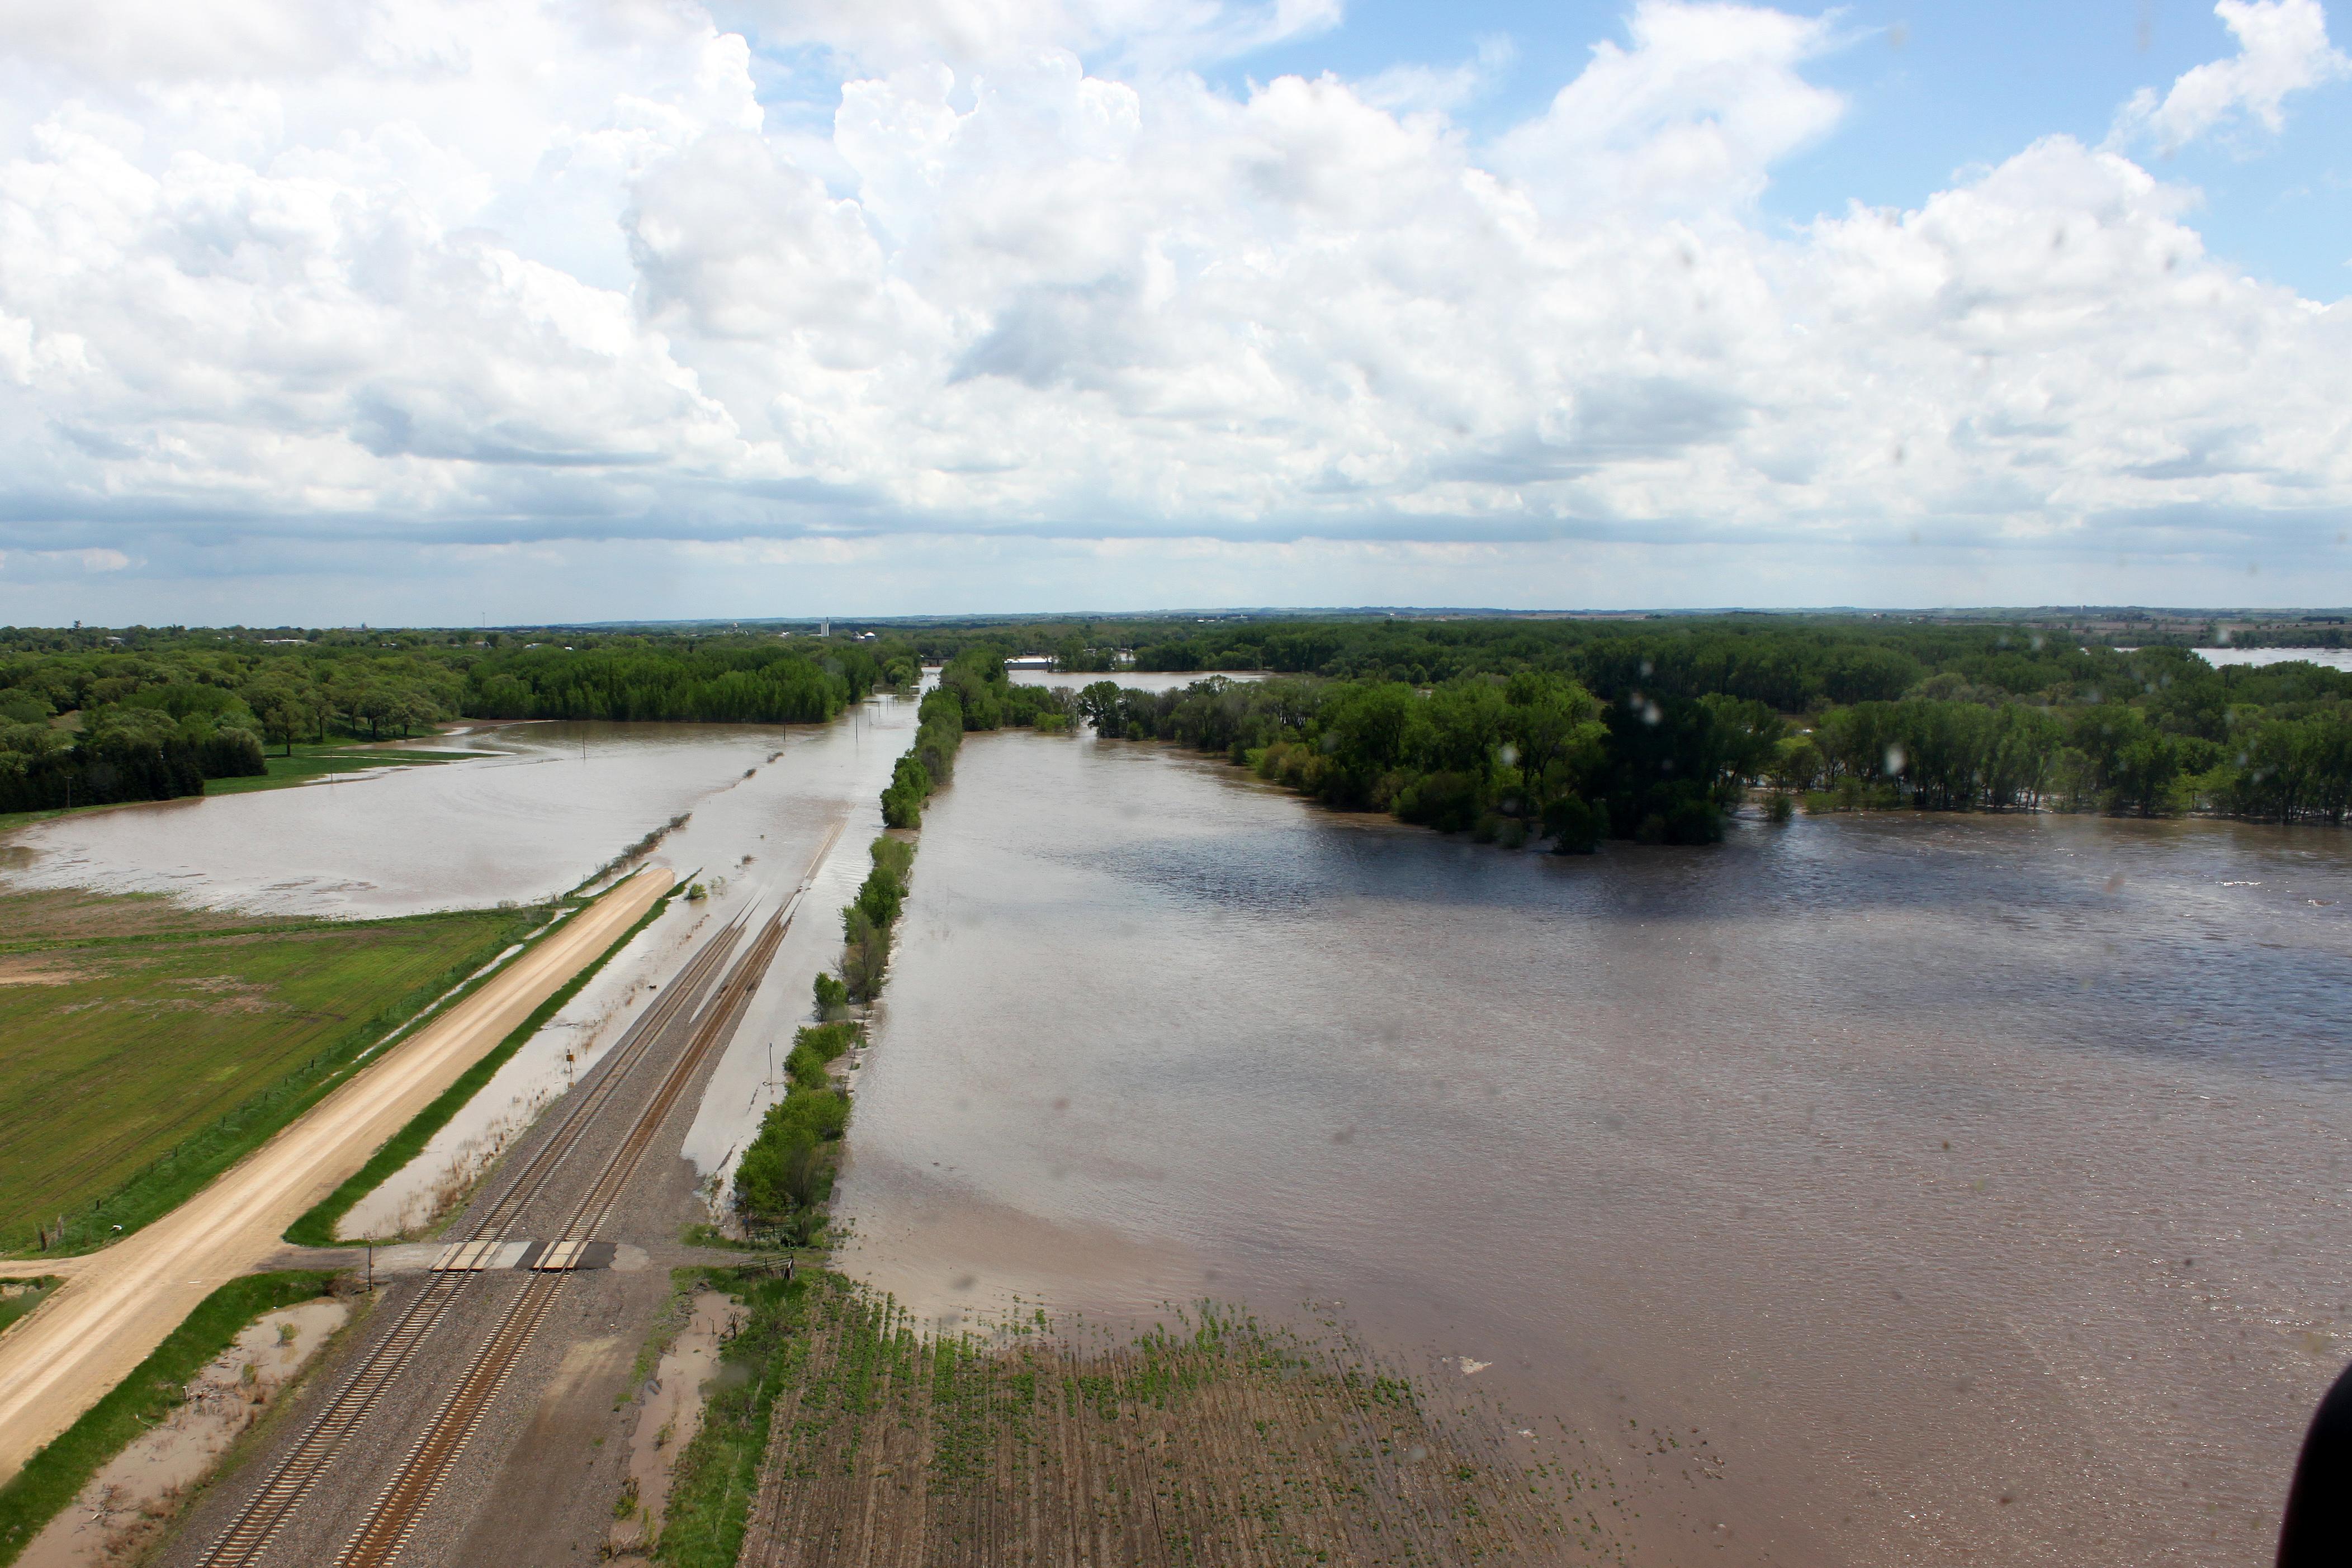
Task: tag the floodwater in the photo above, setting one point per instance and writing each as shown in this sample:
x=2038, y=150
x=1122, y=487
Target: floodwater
x=2331, y=658
x=1887, y=1189
x=1128, y=680
x=807, y=812
x=545, y=805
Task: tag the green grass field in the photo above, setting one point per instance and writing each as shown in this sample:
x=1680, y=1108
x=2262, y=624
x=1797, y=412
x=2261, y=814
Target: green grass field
x=150, y=1046
x=307, y=765
x=312, y=762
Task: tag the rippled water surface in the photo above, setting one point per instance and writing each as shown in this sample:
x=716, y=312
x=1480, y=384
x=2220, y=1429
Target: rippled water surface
x=1870, y=1190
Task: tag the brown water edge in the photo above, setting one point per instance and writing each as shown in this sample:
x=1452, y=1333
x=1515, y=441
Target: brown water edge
x=1948, y=1189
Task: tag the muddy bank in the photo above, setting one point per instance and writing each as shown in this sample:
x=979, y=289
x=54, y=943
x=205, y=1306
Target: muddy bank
x=669, y=1420
x=123, y=1509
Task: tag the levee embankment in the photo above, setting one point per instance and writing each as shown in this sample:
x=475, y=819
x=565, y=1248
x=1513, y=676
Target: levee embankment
x=120, y=1305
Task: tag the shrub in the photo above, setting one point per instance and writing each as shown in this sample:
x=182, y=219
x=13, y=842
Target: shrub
x=865, y=953
x=895, y=856
x=832, y=996
x=814, y=1049
x=1576, y=827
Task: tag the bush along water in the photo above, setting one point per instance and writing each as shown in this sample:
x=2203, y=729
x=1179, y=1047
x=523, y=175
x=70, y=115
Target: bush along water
x=973, y=692
x=1532, y=756
x=1535, y=755
x=786, y=1172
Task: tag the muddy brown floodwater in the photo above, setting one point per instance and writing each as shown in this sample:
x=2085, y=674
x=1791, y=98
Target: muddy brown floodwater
x=540, y=807
x=1894, y=1189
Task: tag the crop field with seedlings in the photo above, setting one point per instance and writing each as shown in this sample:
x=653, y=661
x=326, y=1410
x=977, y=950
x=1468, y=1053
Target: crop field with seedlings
x=1224, y=1441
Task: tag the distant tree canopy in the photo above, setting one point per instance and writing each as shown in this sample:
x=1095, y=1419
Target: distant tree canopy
x=710, y=683
x=1678, y=714
x=1654, y=734
x=151, y=714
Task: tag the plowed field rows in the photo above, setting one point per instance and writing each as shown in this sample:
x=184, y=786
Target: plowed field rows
x=1229, y=1443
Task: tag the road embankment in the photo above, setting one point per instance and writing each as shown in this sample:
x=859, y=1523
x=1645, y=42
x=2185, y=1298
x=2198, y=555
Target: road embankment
x=114, y=1310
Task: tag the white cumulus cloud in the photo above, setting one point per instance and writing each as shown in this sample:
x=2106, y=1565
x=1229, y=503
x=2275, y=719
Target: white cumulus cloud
x=427, y=281
x=2283, y=49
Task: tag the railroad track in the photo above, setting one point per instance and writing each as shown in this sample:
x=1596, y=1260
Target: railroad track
x=267, y=1509
x=401, y=1506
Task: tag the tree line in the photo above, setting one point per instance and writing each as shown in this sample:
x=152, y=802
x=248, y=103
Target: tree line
x=1509, y=758
x=127, y=751
x=973, y=692
x=1660, y=753
x=1941, y=713
x=787, y=1169
x=86, y=719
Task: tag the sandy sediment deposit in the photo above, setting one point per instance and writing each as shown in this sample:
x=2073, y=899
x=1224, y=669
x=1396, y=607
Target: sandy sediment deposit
x=117, y=1512
x=666, y=1423
x=118, y=1306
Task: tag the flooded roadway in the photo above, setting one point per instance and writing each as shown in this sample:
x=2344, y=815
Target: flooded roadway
x=1868, y=1191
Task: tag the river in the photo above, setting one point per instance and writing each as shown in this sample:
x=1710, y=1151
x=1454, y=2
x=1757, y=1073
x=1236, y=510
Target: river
x=1869, y=1190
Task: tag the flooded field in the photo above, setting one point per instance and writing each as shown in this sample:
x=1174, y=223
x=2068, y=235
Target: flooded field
x=1223, y=1442
x=543, y=808
x=545, y=805
x=2327, y=658
x=1871, y=1190
x=810, y=812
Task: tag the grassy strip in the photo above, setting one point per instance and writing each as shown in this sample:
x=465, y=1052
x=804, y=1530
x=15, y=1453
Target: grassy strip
x=704, y=1235
x=317, y=1228
x=168, y=1181
x=308, y=765
x=306, y=769
x=290, y=926
x=11, y=821
x=18, y=1297
x=58, y=1471
x=717, y=1474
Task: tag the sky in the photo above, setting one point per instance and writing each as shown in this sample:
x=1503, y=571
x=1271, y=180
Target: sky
x=445, y=312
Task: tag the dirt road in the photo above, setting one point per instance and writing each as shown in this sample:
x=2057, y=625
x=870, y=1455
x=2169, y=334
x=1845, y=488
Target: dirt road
x=119, y=1303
